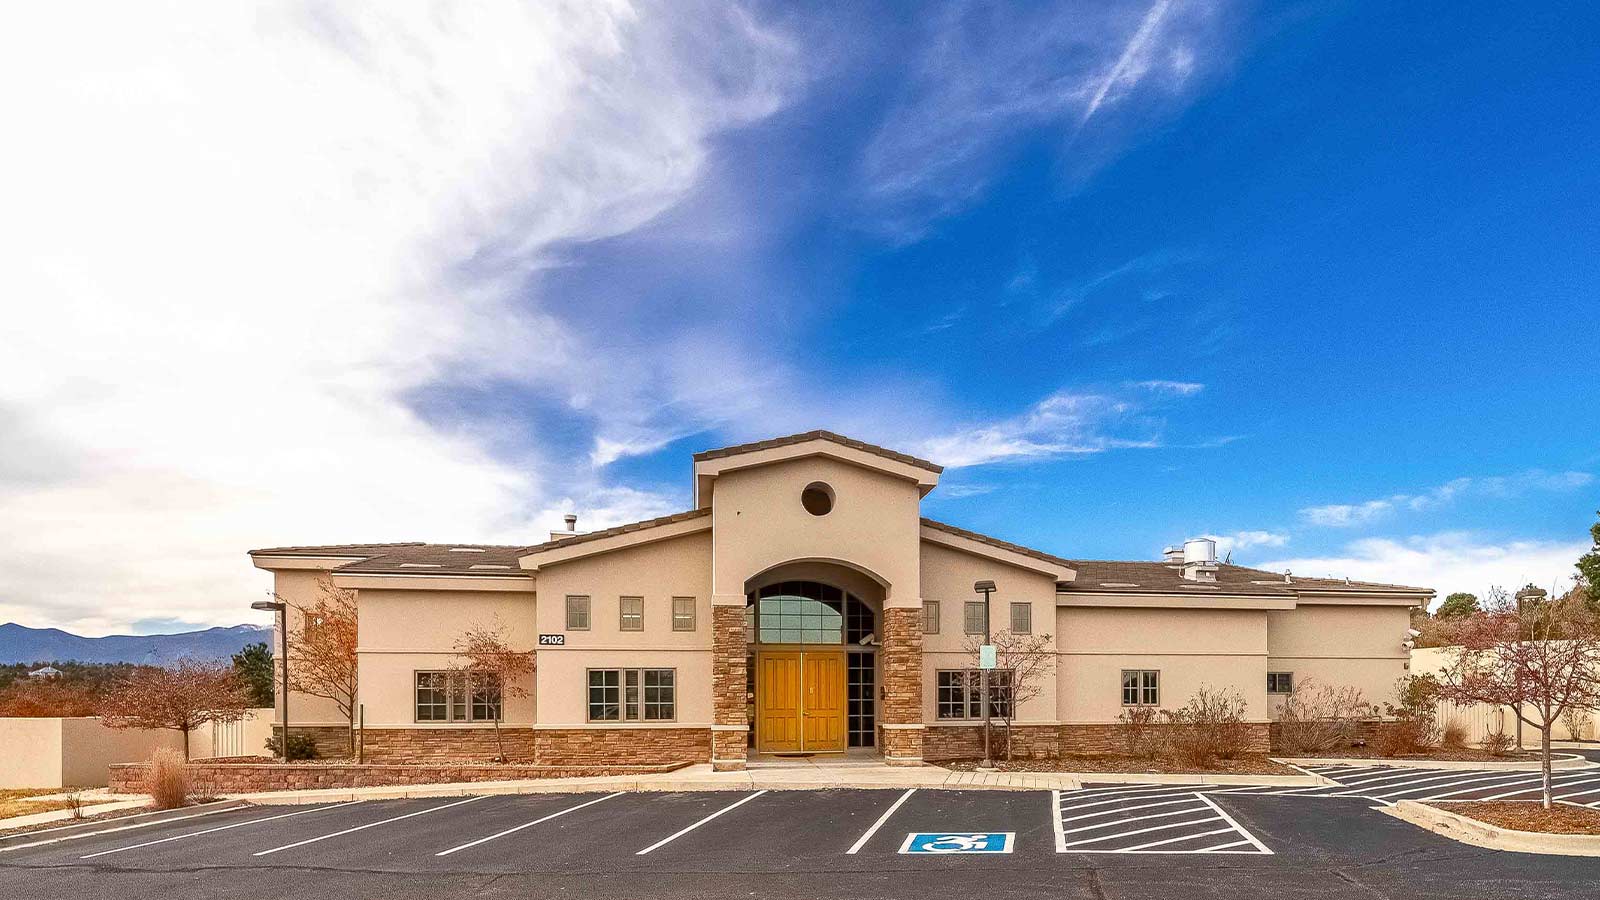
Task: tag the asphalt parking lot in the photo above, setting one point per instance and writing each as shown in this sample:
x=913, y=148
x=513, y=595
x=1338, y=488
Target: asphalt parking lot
x=1105, y=841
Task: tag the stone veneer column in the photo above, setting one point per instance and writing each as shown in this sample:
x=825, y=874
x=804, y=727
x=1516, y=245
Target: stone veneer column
x=902, y=686
x=729, y=728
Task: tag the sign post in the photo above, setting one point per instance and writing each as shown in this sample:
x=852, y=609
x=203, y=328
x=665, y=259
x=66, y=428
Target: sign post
x=985, y=654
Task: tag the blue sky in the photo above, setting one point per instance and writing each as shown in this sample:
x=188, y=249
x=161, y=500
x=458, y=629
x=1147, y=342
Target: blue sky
x=1316, y=278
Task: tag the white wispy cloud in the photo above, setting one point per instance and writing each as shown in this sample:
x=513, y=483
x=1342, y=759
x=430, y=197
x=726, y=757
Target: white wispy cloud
x=1346, y=515
x=240, y=240
x=1247, y=540
x=986, y=73
x=1064, y=424
x=1181, y=388
x=1446, y=562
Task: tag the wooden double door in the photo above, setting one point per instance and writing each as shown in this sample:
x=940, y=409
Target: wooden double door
x=800, y=700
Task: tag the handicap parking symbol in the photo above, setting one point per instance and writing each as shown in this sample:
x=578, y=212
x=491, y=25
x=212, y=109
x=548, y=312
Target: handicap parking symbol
x=960, y=842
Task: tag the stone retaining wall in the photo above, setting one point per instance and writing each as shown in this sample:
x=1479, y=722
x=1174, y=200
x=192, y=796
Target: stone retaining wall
x=1044, y=741
x=249, y=778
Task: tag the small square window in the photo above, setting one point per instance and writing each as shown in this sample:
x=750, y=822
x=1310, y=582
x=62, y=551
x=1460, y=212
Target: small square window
x=930, y=617
x=577, y=613
x=973, y=617
x=1280, y=682
x=1141, y=687
x=630, y=614
x=1022, y=618
x=682, y=613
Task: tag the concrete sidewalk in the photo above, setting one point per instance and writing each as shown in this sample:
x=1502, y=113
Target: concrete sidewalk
x=777, y=778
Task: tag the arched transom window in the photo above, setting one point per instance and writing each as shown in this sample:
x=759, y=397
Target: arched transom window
x=806, y=612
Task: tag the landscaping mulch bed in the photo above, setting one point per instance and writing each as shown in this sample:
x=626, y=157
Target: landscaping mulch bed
x=1529, y=815
x=1435, y=754
x=1112, y=763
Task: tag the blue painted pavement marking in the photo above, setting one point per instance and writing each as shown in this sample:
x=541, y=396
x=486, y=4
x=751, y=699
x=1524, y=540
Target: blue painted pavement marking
x=958, y=842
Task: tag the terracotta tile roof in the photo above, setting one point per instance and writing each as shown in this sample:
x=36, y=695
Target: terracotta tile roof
x=1112, y=576
x=819, y=435
x=996, y=542
x=620, y=529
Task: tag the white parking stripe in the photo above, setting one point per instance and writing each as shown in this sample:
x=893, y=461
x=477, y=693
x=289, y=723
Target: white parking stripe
x=1471, y=790
x=1184, y=837
x=1240, y=828
x=420, y=812
x=190, y=834
x=670, y=838
x=1557, y=788
x=144, y=815
x=1499, y=777
x=1097, y=793
x=1580, y=794
x=1055, y=817
x=1176, y=812
x=1110, y=837
x=1112, y=812
x=1423, y=775
x=74, y=837
x=867, y=835
x=1222, y=847
x=1125, y=800
x=514, y=830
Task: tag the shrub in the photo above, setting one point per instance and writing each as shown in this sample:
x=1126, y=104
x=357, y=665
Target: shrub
x=1496, y=743
x=1454, y=735
x=1416, y=717
x=1138, y=732
x=1318, y=718
x=166, y=779
x=1576, y=719
x=1210, y=726
x=301, y=746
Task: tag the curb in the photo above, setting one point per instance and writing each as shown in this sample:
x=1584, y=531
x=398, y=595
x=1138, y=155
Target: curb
x=1564, y=762
x=1482, y=834
x=1287, y=781
x=62, y=815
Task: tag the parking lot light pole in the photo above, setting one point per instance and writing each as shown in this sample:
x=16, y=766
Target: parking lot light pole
x=985, y=588
x=282, y=614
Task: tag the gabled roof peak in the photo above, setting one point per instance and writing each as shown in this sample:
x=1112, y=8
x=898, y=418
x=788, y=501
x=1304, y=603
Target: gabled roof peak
x=818, y=435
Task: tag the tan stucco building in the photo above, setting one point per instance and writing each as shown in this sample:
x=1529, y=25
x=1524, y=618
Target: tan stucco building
x=805, y=605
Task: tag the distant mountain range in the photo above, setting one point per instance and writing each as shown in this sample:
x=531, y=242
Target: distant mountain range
x=21, y=644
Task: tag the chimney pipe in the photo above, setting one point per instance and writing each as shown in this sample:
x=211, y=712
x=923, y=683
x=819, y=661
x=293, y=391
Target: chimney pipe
x=572, y=521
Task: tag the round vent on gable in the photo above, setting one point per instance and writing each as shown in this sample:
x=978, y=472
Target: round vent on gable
x=817, y=498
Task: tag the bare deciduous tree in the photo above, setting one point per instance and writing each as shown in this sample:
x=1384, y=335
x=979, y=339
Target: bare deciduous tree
x=322, y=651
x=182, y=697
x=487, y=658
x=1023, y=662
x=1536, y=657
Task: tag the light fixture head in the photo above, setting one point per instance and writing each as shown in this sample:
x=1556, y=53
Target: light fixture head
x=267, y=606
x=983, y=587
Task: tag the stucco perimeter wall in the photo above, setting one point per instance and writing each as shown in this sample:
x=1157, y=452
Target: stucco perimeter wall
x=71, y=752
x=658, y=572
x=403, y=632
x=947, y=577
x=758, y=523
x=299, y=588
x=1357, y=645
x=30, y=753
x=1215, y=648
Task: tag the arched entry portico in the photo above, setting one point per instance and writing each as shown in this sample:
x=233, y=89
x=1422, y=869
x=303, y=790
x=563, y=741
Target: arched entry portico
x=812, y=663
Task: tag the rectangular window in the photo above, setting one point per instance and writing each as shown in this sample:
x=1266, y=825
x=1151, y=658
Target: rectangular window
x=973, y=618
x=682, y=613
x=1280, y=682
x=1022, y=618
x=577, y=613
x=631, y=695
x=930, y=617
x=630, y=611
x=457, y=697
x=1141, y=687
x=959, y=693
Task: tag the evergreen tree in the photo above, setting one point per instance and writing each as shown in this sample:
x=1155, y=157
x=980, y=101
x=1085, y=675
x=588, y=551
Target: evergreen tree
x=254, y=667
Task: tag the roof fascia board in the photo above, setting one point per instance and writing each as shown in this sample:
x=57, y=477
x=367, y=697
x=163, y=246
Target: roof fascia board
x=560, y=553
x=924, y=479
x=315, y=563
x=406, y=581
x=1366, y=598
x=1087, y=599
x=989, y=551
